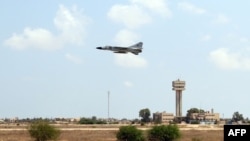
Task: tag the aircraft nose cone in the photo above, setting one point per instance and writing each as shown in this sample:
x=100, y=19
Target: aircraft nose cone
x=98, y=47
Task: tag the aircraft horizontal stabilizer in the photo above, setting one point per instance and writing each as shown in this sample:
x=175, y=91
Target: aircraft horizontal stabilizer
x=135, y=53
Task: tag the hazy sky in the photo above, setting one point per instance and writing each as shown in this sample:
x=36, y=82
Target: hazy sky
x=50, y=67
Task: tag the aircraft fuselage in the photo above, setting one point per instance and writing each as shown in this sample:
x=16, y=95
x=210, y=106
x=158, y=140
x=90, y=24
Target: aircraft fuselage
x=135, y=49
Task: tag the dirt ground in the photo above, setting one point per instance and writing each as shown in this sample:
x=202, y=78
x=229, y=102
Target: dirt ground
x=110, y=135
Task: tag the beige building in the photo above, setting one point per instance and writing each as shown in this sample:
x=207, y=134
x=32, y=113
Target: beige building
x=163, y=117
x=206, y=116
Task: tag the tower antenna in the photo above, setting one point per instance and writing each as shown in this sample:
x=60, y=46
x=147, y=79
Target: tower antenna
x=178, y=86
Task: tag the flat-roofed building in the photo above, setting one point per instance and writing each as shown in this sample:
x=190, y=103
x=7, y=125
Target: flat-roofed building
x=163, y=117
x=205, y=116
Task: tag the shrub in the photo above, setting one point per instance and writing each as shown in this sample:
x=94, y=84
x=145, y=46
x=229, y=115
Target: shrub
x=164, y=133
x=195, y=122
x=129, y=133
x=196, y=139
x=42, y=131
x=91, y=121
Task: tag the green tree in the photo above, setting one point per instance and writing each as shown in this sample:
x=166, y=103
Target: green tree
x=164, y=133
x=237, y=117
x=193, y=110
x=86, y=121
x=92, y=120
x=145, y=115
x=42, y=131
x=246, y=120
x=129, y=133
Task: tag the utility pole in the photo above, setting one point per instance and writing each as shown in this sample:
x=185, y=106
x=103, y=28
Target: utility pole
x=108, y=106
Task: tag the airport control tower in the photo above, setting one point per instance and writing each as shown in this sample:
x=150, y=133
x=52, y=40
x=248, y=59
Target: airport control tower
x=178, y=86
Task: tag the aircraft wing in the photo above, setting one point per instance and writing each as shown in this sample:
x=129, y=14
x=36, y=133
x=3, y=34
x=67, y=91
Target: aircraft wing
x=120, y=52
x=126, y=50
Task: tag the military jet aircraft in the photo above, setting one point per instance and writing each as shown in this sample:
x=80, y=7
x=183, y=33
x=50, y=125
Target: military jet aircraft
x=135, y=49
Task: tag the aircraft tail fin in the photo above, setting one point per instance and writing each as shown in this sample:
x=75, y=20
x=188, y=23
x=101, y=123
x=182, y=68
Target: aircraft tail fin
x=137, y=45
